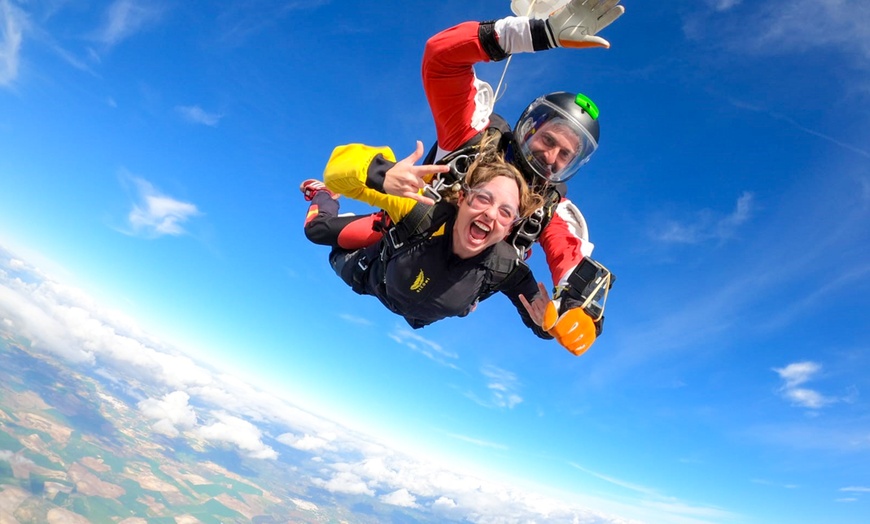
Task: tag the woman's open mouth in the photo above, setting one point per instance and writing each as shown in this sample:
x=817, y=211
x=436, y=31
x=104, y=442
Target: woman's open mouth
x=478, y=231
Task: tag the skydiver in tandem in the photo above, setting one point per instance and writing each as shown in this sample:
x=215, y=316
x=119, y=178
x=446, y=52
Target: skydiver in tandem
x=457, y=230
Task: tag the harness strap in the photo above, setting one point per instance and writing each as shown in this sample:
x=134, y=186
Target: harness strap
x=504, y=271
x=527, y=231
x=418, y=225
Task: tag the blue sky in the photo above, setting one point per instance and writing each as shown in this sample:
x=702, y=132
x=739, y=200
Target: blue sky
x=150, y=154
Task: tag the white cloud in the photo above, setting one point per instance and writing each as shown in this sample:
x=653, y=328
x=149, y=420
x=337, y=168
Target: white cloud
x=353, y=319
x=125, y=18
x=304, y=505
x=856, y=489
x=502, y=385
x=707, y=225
x=197, y=115
x=801, y=24
x=775, y=484
x=33, y=309
x=14, y=458
x=741, y=104
x=12, y=23
x=239, y=432
x=834, y=436
x=478, y=442
x=171, y=413
x=659, y=504
x=155, y=214
x=351, y=463
x=67, y=322
x=796, y=374
x=400, y=497
x=723, y=5
x=403, y=480
x=345, y=482
x=421, y=345
x=308, y=442
x=787, y=26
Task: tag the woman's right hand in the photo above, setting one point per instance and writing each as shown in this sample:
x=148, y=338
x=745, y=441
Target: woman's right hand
x=406, y=179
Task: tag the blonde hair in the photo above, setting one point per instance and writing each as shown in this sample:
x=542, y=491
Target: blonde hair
x=489, y=164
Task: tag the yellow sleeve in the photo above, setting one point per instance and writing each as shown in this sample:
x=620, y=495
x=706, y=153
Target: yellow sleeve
x=346, y=174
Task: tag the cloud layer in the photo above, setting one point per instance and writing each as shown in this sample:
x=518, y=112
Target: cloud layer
x=187, y=400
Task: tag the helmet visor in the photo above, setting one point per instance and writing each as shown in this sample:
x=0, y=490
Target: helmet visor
x=553, y=142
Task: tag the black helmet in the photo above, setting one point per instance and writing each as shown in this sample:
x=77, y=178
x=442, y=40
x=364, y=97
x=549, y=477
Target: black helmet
x=556, y=135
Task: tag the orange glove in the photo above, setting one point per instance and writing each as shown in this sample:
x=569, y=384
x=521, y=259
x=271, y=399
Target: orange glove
x=573, y=329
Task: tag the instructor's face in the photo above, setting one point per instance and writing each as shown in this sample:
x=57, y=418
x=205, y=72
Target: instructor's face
x=554, y=146
x=485, y=217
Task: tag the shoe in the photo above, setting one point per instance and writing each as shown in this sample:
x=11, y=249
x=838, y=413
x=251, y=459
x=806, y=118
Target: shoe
x=313, y=186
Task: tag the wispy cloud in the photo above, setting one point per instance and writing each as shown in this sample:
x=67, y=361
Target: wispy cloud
x=503, y=387
x=786, y=26
x=668, y=507
x=617, y=482
x=839, y=436
x=723, y=5
x=12, y=23
x=155, y=214
x=424, y=346
x=707, y=225
x=795, y=376
x=797, y=125
x=353, y=319
x=478, y=442
x=774, y=484
x=197, y=115
x=125, y=18
x=856, y=489
x=241, y=20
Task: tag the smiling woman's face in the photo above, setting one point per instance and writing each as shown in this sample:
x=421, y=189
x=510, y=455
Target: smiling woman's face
x=485, y=217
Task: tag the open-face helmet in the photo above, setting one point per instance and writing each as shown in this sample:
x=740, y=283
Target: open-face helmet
x=556, y=134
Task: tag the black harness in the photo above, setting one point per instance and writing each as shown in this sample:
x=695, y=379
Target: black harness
x=527, y=230
x=503, y=270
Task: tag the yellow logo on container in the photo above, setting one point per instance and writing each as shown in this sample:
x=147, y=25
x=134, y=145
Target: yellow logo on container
x=419, y=282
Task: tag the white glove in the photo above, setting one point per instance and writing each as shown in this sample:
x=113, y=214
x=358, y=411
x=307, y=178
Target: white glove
x=536, y=8
x=577, y=23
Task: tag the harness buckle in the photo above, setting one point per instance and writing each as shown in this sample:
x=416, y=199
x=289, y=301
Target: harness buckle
x=394, y=242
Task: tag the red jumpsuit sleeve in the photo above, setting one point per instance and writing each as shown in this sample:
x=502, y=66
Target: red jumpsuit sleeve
x=448, y=79
x=562, y=247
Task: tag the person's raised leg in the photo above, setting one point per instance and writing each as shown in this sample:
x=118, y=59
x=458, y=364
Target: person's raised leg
x=324, y=226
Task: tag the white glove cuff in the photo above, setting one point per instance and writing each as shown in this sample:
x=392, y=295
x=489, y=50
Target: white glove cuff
x=514, y=34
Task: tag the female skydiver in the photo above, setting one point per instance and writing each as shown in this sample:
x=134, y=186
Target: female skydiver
x=436, y=261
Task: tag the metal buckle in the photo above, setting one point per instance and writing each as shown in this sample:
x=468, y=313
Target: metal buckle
x=391, y=238
x=433, y=190
x=459, y=166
